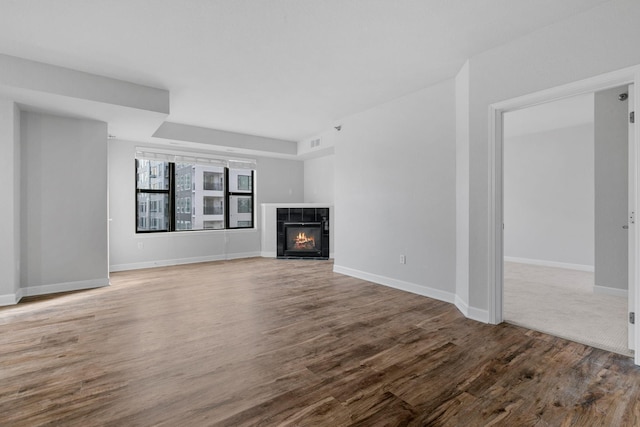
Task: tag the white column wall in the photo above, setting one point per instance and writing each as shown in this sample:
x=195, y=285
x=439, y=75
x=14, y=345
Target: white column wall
x=10, y=195
x=64, y=204
x=462, y=189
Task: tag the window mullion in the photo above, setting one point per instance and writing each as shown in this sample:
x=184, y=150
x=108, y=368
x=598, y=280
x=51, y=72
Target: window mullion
x=172, y=196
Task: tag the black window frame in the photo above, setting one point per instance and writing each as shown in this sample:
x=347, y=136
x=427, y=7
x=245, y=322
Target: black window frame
x=169, y=191
x=239, y=193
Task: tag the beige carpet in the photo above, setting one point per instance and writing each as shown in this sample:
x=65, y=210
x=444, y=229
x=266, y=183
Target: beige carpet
x=561, y=302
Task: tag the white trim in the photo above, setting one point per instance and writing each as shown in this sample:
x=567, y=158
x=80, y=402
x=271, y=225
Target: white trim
x=545, y=263
x=10, y=299
x=297, y=205
x=625, y=76
x=495, y=245
x=201, y=233
x=397, y=284
x=633, y=280
x=180, y=261
x=592, y=84
x=64, y=287
x=606, y=290
x=471, y=312
x=155, y=153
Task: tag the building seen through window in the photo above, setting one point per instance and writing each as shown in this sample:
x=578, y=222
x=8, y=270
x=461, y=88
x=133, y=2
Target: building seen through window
x=185, y=196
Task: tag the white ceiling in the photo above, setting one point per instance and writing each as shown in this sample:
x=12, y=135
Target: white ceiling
x=284, y=69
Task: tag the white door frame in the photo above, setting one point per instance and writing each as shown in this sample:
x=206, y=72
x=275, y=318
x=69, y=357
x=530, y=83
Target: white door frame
x=622, y=77
x=633, y=201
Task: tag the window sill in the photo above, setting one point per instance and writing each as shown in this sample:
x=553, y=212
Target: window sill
x=196, y=232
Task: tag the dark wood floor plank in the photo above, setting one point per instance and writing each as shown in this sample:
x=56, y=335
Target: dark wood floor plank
x=271, y=342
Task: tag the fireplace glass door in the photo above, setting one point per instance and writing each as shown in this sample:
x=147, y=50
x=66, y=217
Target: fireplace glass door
x=303, y=239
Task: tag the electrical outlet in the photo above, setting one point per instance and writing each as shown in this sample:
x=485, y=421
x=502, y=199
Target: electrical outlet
x=403, y=259
x=140, y=245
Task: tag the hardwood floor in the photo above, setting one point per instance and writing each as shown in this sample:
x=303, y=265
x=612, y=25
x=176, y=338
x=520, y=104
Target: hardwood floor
x=273, y=342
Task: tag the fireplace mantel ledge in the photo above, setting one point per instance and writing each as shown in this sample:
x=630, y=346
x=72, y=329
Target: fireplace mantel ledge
x=297, y=205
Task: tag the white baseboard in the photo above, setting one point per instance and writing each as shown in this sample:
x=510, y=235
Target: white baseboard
x=180, y=261
x=28, y=291
x=605, y=290
x=545, y=263
x=9, y=299
x=397, y=284
x=471, y=312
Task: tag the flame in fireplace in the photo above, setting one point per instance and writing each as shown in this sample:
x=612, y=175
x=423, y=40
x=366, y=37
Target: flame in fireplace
x=302, y=241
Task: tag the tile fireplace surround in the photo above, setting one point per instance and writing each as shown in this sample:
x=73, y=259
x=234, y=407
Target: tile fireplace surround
x=269, y=223
x=302, y=233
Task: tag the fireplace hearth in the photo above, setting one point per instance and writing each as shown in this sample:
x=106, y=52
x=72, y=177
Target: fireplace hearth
x=303, y=233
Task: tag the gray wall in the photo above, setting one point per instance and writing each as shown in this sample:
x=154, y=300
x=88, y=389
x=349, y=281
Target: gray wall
x=549, y=196
x=395, y=193
x=611, y=166
x=319, y=180
x=601, y=40
x=277, y=181
x=462, y=187
x=10, y=194
x=17, y=197
x=64, y=203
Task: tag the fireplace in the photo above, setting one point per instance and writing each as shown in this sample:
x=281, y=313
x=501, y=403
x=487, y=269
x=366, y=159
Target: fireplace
x=302, y=239
x=303, y=233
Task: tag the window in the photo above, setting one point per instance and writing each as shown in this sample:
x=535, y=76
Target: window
x=212, y=206
x=240, y=198
x=192, y=195
x=213, y=225
x=152, y=195
x=213, y=180
x=244, y=183
x=244, y=205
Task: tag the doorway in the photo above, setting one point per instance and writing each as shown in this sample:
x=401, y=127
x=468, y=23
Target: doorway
x=495, y=165
x=565, y=203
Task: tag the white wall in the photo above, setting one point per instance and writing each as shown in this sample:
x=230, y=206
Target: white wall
x=462, y=189
x=64, y=203
x=319, y=145
x=319, y=180
x=277, y=181
x=601, y=40
x=395, y=193
x=611, y=172
x=17, y=199
x=549, y=196
x=10, y=194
